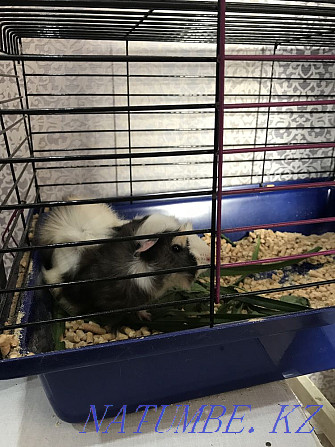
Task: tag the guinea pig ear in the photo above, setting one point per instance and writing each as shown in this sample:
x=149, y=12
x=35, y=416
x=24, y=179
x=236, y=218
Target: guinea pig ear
x=186, y=227
x=145, y=244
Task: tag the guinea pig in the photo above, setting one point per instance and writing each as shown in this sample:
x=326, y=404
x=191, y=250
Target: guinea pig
x=116, y=258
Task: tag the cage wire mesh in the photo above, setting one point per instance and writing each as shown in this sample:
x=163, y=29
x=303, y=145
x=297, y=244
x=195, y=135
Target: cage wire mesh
x=120, y=100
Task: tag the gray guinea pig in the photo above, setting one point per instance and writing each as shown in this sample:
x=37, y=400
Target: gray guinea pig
x=115, y=259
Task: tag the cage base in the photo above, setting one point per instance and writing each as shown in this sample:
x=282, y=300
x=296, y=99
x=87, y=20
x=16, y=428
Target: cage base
x=192, y=371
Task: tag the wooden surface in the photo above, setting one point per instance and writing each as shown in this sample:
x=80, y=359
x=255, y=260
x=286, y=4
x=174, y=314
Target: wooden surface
x=27, y=420
x=309, y=394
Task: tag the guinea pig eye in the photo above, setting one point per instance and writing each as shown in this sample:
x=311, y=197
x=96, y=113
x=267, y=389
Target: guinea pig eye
x=176, y=248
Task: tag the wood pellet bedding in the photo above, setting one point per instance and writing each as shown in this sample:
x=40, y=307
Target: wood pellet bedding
x=79, y=333
x=275, y=244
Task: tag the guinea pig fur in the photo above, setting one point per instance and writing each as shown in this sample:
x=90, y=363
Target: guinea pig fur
x=116, y=258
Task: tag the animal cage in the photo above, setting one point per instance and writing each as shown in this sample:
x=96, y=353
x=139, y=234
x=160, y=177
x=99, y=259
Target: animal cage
x=221, y=113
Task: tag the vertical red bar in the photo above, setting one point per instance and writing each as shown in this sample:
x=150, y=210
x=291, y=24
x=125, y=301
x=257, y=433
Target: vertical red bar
x=220, y=106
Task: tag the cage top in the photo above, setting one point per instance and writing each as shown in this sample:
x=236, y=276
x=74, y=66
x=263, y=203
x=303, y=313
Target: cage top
x=278, y=22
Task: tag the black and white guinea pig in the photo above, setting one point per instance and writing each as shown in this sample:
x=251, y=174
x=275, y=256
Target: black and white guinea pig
x=114, y=259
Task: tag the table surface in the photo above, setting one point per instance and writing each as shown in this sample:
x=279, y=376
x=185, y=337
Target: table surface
x=28, y=420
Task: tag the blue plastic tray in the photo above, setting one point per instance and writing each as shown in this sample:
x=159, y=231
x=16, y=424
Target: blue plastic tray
x=166, y=368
